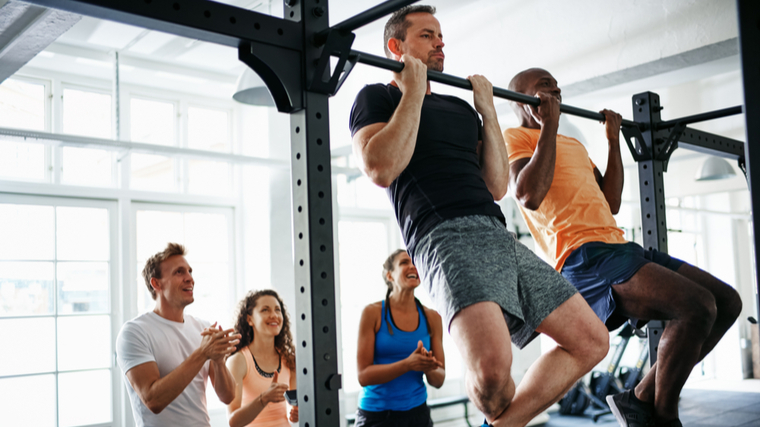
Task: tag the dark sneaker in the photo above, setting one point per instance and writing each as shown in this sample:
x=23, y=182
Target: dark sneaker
x=671, y=423
x=629, y=411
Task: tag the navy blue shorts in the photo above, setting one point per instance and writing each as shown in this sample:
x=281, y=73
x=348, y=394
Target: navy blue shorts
x=594, y=267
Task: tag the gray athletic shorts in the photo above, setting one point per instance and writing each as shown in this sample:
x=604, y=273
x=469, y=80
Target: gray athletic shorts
x=472, y=259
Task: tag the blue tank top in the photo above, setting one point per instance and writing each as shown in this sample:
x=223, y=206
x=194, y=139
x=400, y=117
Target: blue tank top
x=408, y=390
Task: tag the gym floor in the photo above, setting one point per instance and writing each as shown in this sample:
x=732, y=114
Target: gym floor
x=698, y=408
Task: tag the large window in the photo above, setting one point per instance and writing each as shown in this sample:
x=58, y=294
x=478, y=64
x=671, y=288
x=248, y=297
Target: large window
x=56, y=281
x=23, y=104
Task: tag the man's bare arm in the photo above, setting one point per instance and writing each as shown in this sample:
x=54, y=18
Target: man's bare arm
x=221, y=378
x=385, y=149
x=532, y=177
x=612, y=181
x=492, y=150
x=157, y=392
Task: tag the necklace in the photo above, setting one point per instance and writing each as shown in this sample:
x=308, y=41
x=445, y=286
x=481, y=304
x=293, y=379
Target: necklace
x=261, y=372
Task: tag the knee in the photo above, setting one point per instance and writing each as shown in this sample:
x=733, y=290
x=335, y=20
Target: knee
x=491, y=380
x=491, y=390
x=703, y=311
x=598, y=345
x=731, y=306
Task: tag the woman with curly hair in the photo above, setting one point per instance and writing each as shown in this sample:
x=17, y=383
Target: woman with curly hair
x=400, y=341
x=263, y=364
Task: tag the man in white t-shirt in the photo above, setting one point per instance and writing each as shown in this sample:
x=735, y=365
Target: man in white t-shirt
x=166, y=355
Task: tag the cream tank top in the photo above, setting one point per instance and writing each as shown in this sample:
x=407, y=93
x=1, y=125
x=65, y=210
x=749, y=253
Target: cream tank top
x=274, y=414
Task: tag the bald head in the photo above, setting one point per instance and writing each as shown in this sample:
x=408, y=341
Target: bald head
x=520, y=82
x=530, y=82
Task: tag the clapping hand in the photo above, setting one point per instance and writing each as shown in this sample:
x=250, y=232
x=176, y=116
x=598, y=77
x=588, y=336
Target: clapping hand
x=218, y=343
x=422, y=360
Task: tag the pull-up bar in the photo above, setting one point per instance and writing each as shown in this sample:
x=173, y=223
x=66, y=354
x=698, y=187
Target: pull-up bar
x=436, y=76
x=700, y=117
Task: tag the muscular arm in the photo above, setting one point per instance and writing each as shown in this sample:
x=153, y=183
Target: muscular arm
x=384, y=149
x=611, y=182
x=532, y=177
x=156, y=392
x=492, y=150
x=435, y=377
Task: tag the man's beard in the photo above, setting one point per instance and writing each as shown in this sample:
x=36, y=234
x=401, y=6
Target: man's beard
x=435, y=64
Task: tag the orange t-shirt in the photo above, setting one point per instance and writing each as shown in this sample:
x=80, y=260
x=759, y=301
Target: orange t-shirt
x=574, y=210
x=274, y=414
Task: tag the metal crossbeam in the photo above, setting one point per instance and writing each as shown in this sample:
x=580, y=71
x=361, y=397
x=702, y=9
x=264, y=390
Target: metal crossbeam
x=708, y=143
x=195, y=19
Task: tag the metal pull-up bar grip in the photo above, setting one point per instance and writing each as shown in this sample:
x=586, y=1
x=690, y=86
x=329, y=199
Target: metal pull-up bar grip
x=436, y=76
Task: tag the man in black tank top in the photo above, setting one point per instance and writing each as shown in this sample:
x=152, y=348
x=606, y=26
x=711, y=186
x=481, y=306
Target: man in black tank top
x=443, y=170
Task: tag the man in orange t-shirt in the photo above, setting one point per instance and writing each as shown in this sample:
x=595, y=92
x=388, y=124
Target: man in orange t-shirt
x=568, y=205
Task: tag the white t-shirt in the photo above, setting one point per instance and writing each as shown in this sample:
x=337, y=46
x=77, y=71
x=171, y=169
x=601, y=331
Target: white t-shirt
x=151, y=338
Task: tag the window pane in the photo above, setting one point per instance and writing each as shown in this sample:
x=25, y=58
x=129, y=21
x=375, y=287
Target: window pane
x=28, y=401
x=26, y=288
x=208, y=129
x=363, y=248
x=151, y=172
x=84, y=398
x=82, y=234
x=84, y=342
x=86, y=113
x=36, y=334
x=21, y=160
x=83, y=287
x=206, y=237
x=26, y=232
x=22, y=105
x=211, y=178
x=155, y=229
x=152, y=122
x=212, y=293
x=145, y=301
x=84, y=166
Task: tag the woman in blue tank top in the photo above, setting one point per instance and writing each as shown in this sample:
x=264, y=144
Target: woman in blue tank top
x=399, y=341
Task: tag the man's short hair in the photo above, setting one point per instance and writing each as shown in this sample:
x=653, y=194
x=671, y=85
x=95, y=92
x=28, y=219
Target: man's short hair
x=397, y=25
x=153, y=265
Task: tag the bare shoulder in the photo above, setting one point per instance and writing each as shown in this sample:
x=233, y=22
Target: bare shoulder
x=237, y=365
x=373, y=309
x=432, y=316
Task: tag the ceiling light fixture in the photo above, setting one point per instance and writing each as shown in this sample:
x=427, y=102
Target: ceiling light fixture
x=715, y=168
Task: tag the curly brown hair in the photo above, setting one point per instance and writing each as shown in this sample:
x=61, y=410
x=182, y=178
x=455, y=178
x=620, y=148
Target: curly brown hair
x=283, y=342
